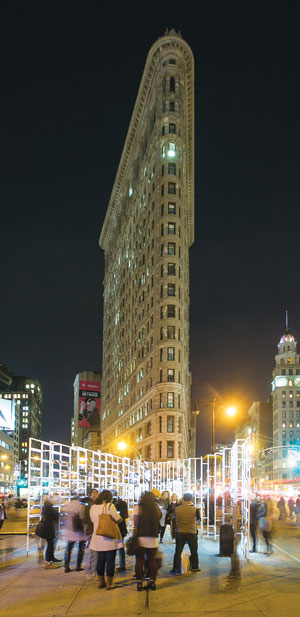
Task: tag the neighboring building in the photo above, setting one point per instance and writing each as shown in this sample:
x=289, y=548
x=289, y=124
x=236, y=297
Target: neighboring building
x=286, y=409
x=87, y=402
x=7, y=463
x=6, y=378
x=21, y=398
x=146, y=235
x=259, y=426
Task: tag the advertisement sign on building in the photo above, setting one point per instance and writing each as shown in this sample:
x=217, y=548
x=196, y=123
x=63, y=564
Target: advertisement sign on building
x=89, y=404
x=7, y=414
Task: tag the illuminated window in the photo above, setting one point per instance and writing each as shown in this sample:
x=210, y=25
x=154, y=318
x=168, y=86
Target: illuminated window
x=171, y=269
x=172, y=228
x=171, y=188
x=170, y=374
x=290, y=382
x=171, y=353
x=171, y=289
x=171, y=208
x=284, y=425
x=289, y=360
x=170, y=399
x=291, y=424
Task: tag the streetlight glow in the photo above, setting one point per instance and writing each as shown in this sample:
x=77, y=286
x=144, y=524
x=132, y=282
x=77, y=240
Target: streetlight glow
x=122, y=445
x=231, y=411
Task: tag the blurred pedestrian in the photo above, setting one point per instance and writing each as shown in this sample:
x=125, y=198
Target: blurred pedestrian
x=106, y=546
x=297, y=511
x=282, y=509
x=121, y=507
x=163, y=503
x=170, y=518
x=265, y=523
x=254, y=505
x=2, y=513
x=186, y=516
x=50, y=518
x=91, y=556
x=74, y=532
x=291, y=505
x=146, y=522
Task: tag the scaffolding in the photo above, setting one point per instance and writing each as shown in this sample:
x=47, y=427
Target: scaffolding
x=219, y=483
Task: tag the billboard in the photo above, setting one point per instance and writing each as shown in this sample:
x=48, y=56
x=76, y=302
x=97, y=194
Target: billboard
x=7, y=414
x=89, y=404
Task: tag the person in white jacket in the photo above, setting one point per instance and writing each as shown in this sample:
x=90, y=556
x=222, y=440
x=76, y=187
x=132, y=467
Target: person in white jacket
x=73, y=532
x=106, y=547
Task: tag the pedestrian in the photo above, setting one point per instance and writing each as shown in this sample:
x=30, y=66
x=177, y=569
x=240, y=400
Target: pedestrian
x=282, y=509
x=91, y=556
x=170, y=518
x=297, y=511
x=186, y=517
x=265, y=523
x=163, y=503
x=291, y=505
x=121, y=507
x=254, y=505
x=2, y=514
x=106, y=546
x=146, y=523
x=50, y=518
x=73, y=532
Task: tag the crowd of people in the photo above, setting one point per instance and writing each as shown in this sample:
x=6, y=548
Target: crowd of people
x=97, y=524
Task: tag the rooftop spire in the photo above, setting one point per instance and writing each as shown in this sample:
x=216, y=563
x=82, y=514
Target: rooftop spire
x=286, y=320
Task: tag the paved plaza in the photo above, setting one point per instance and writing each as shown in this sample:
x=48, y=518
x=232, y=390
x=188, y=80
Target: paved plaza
x=269, y=586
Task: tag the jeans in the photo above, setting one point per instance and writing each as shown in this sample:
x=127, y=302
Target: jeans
x=121, y=552
x=162, y=529
x=253, y=534
x=181, y=539
x=108, y=558
x=49, y=554
x=80, y=553
x=152, y=562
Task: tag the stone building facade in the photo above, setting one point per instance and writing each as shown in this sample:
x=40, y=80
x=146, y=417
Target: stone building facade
x=146, y=235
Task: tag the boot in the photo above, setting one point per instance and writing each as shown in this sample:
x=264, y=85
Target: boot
x=102, y=582
x=110, y=583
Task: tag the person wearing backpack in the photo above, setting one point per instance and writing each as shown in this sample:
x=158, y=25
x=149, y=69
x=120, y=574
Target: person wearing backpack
x=73, y=532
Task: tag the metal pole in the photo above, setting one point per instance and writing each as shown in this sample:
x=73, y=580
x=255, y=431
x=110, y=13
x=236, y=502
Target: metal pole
x=213, y=425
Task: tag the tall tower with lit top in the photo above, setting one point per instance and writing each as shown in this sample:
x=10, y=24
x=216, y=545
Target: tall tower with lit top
x=286, y=409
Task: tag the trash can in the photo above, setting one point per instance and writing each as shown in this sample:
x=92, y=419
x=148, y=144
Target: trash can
x=226, y=540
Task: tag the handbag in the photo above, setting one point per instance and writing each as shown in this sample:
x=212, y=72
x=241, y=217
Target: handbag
x=107, y=526
x=132, y=545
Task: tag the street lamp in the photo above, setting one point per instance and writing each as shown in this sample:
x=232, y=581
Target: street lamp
x=123, y=446
x=230, y=411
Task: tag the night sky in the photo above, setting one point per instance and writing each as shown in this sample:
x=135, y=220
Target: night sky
x=70, y=73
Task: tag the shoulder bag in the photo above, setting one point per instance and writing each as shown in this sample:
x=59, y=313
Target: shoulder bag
x=107, y=526
x=132, y=545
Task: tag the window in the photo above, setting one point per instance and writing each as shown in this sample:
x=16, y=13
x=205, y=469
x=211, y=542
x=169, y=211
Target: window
x=172, y=106
x=171, y=289
x=171, y=208
x=148, y=428
x=171, y=248
x=170, y=331
x=171, y=269
x=170, y=424
x=172, y=84
x=289, y=361
x=172, y=169
x=161, y=354
x=159, y=449
x=171, y=312
x=171, y=188
x=161, y=334
x=171, y=353
x=162, y=170
x=170, y=374
x=172, y=228
x=162, y=229
x=161, y=402
x=160, y=424
x=172, y=128
x=170, y=449
x=162, y=191
x=162, y=250
x=283, y=371
x=148, y=452
x=170, y=399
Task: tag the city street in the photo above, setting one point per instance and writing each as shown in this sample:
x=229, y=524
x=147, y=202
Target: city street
x=269, y=586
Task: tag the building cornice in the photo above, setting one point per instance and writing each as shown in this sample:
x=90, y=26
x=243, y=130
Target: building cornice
x=171, y=43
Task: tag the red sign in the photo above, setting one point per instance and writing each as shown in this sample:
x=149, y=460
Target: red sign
x=89, y=404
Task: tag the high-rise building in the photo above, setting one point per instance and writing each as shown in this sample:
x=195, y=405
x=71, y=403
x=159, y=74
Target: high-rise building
x=146, y=235
x=286, y=409
x=85, y=424
x=22, y=401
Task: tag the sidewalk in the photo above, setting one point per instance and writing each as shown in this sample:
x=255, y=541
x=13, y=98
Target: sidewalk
x=269, y=588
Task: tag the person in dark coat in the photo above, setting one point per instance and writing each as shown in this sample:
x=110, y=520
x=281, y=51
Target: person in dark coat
x=254, y=505
x=146, y=522
x=121, y=507
x=50, y=518
x=282, y=509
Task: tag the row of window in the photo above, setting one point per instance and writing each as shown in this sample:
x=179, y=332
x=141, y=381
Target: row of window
x=291, y=414
x=170, y=400
x=171, y=208
x=291, y=393
x=171, y=311
x=170, y=333
x=291, y=403
x=171, y=189
x=170, y=354
x=290, y=423
x=171, y=170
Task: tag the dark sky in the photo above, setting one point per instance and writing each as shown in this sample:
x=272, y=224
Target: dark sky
x=70, y=73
